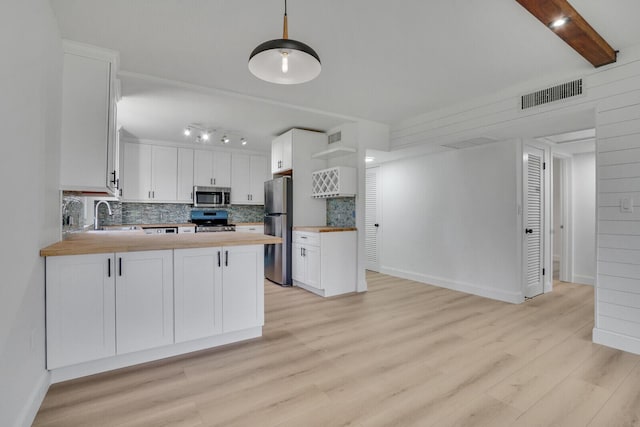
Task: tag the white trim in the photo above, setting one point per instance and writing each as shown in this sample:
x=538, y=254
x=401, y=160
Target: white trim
x=506, y=296
x=584, y=280
x=612, y=339
x=32, y=404
x=124, y=360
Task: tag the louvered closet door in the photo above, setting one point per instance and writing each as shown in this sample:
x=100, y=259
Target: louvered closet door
x=371, y=222
x=533, y=220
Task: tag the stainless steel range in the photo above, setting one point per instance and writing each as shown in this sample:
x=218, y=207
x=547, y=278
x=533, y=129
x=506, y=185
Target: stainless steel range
x=210, y=220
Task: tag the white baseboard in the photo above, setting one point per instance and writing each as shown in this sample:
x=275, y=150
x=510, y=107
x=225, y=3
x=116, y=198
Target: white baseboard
x=612, y=339
x=500, y=295
x=33, y=403
x=129, y=359
x=583, y=280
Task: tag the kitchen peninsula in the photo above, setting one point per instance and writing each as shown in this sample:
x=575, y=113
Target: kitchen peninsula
x=119, y=298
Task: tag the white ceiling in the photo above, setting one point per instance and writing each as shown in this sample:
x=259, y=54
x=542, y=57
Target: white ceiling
x=382, y=60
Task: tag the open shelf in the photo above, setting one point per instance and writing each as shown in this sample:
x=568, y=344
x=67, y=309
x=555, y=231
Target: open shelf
x=334, y=152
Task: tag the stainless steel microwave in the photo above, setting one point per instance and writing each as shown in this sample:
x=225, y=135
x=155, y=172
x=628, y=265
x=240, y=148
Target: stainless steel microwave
x=211, y=197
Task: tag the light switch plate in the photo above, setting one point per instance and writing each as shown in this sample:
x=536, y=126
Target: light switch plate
x=626, y=205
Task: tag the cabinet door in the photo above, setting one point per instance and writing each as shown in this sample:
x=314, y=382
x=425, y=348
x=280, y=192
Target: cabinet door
x=222, y=169
x=202, y=167
x=164, y=168
x=298, y=267
x=287, y=152
x=276, y=154
x=185, y=175
x=258, y=177
x=85, y=122
x=240, y=179
x=312, y=262
x=80, y=309
x=242, y=287
x=137, y=172
x=198, y=293
x=144, y=300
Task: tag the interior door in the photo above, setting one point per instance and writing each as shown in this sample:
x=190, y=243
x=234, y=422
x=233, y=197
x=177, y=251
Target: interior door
x=533, y=220
x=372, y=221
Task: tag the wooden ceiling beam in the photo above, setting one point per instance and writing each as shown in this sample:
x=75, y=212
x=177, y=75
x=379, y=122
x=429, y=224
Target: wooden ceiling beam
x=576, y=32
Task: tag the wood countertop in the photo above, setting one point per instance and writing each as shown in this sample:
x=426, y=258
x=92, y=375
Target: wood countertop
x=323, y=229
x=133, y=241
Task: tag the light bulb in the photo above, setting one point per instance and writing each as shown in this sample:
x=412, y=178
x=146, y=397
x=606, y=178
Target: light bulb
x=243, y=141
x=559, y=22
x=285, y=61
x=205, y=136
x=187, y=131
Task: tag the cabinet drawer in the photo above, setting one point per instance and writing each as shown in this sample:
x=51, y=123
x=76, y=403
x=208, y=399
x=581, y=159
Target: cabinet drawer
x=307, y=238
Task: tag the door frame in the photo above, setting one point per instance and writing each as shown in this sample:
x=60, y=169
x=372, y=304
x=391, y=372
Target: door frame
x=546, y=213
x=566, y=212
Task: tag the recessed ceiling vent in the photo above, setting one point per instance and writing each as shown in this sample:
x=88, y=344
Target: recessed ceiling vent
x=552, y=94
x=470, y=143
x=335, y=137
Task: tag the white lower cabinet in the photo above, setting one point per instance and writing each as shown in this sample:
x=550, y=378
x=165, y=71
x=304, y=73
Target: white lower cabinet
x=258, y=229
x=242, y=287
x=325, y=263
x=106, y=305
x=144, y=300
x=80, y=295
x=198, y=293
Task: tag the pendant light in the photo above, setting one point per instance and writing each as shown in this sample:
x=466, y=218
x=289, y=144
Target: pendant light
x=284, y=61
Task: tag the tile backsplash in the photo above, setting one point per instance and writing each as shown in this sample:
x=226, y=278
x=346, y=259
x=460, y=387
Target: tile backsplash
x=341, y=212
x=170, y=213
x=77, y=215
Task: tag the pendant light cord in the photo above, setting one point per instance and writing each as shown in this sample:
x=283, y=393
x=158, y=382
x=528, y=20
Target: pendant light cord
x=285, y=26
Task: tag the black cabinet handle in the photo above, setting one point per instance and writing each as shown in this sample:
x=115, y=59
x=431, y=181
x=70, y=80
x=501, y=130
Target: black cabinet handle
x=219, y=264
x=528, y=230
x=376, y=225
x=226, y=258
x=120, y=266
x=114, y=181
x=109, y=267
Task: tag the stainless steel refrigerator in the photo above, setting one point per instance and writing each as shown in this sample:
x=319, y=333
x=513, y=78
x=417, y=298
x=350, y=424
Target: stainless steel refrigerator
x=278, y=220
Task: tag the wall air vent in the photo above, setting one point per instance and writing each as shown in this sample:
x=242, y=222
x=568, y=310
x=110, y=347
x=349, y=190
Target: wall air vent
x=551, y=94
x=469, y=143
x=335, y=137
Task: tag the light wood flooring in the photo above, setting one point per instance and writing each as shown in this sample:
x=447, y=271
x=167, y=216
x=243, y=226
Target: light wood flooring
x=402, y=354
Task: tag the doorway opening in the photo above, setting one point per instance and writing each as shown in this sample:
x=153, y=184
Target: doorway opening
x=573, y=210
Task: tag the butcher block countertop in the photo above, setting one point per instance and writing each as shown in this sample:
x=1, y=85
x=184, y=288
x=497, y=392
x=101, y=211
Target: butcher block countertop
x=133, y=241
x=323, y=229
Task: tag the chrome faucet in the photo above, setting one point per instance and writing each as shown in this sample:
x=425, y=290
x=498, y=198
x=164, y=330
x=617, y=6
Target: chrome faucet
x=95, y=216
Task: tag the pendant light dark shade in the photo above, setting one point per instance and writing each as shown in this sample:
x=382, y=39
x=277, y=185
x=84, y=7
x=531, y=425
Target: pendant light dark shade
x=284, y=61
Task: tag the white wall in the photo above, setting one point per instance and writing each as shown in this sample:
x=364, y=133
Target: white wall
x=618, y=178
x=584, y=217
x=450, y=219
x=30, y=84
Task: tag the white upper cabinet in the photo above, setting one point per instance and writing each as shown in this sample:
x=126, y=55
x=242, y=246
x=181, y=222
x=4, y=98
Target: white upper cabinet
x=89, y=160
x=185, y=175
x=248, y=173
x=281, y=153
x=212, y=168
x=150, y=173
x=292, y=153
